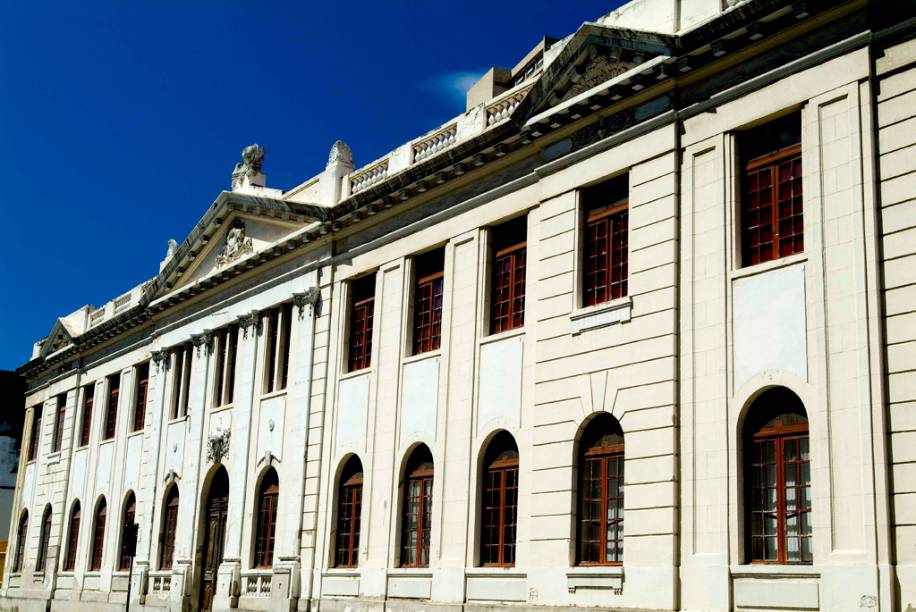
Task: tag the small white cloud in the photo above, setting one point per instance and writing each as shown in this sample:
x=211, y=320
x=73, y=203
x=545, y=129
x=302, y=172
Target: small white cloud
x=454, y=86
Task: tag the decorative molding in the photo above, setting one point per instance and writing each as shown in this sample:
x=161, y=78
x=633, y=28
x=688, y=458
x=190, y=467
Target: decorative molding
x=311, y=298
x=236, y=246
x=598, y=70
x=249, y=167
x=340, y=152
x=157, y=357
x=218, y=444
x=204, y=339
x=269, y=459
x=170, y=477
x=247, y=320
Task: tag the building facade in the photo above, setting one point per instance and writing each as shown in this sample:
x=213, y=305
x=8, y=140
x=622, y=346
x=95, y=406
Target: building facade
x=636, y=331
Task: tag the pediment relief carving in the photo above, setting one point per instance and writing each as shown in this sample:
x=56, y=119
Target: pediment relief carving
x=236, y=246
x=596, y=71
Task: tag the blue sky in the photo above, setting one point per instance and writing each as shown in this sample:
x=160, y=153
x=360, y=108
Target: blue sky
x=120, y=122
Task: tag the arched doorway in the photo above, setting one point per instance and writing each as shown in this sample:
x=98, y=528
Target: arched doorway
x=214, y=533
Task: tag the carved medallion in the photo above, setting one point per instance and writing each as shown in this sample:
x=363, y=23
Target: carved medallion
x=237, y=245
x=218, y=444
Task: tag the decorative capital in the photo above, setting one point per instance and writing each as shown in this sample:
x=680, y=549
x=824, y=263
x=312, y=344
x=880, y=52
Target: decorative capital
x=269, y=459
x=311, y=298
x=202, y=340
x=170, y=477
x=157, y=357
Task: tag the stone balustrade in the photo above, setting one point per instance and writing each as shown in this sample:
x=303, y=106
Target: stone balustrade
x=160, y=583
x=502, y=109
x=256, y=583
x=98, y=316
x=364, y=179
x=438, y=141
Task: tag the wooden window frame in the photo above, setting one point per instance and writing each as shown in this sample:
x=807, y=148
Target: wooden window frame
x=44, y=539
x=777, y=222
x=421, y=473
x=181, y=380
x=86, y=419
x=97, y=551
x=141, y=395
x=111, y=407
x=604, y=447
x=509, y=248
x=266, y=523
x=277, y=348
x=348, y=524
x=73, y=537
x=127, y=523
x=35, y=432
x=361, y=323
x=614, y=218
x=169, y=527
x=428, y=301
x=60, y=411
x=777, y=435
x=22, y=532
x=226, y=349
x=502, y=470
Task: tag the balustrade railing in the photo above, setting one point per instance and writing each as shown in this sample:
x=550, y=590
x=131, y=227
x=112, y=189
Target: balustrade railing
x=439, y=141
x=502, y=109
x=160, y=583
x=256, y=584
x=368, y=177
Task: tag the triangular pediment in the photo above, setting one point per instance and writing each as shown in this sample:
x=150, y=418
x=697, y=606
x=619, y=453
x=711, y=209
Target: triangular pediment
x=236, y=227
x=593, y=56
x=59, y=338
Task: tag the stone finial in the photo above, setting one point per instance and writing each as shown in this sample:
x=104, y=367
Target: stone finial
x=340, y=153
x=170, y=251
x=247, y=172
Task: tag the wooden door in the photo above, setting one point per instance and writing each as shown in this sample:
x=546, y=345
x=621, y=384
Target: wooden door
x=214, y=536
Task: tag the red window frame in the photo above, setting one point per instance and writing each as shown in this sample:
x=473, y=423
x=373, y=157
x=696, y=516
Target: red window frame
x=98, y=536
x=169, y=526
x=111, y=411
x=349, y=506
x=141, y=395
x=127, y=524
x=86, y=424
x=73, y=538
x=59, y=413
x=499, y=503
x=601, y=486
x=772, y=217
x=267, y=520
x=35, y=433
x=605, y=262
x=362, y=307
x=778, y=489
x=416, y=510
x=21, y=534
x=44, y=536
x=507, y=275
x=427, y=312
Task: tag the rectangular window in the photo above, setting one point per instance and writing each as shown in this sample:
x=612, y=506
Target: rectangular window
x=86, y=425
x=226, y=344
x=111, y=410
x=606, y=249
x=279, y=328
x=427, y=302
x=362, y=306
x=509, y=249
x=35, y=434
x=141, y=392
x=181, y=380
x=59, y=412
x=772, y=224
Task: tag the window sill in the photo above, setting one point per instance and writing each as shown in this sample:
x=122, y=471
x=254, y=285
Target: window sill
x=134, y=434
x=53, y=458
x=220, y=409
x=421, y=356
x=774, y=570
x=410, y=572
x=355, y=373
x=487, y=572
x=265, y=396
x=512, y=333
x=180, y=419
x=108, y=441
x=767, y=266
x=341, y=571
x=601, y=315
x=595, y=577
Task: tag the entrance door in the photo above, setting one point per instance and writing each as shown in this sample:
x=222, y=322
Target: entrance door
x=214, y=536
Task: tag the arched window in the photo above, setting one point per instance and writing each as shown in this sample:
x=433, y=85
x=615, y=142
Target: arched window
x=72, y=538
x=98, y=535
x=349, y=503
x=267, y=519
x=777, y=479
x=127, y=532
x=499, y=503
x=169, y=523
x=43, y=540
x=600, y=493
x=20, y=541
x=416, y=508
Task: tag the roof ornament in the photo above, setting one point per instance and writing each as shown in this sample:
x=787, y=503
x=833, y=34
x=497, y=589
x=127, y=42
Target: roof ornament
x=340, y=152
x=247, y=172
x=599, y=69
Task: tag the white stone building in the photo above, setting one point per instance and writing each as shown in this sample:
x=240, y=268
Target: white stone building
x=675, y=249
